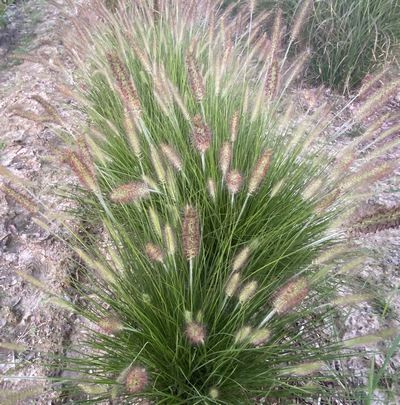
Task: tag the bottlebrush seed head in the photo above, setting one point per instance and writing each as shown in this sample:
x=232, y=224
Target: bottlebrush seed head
x=157, y=164
x=212, y=188
x=20, y=198
x=232, y=285
x=82, y=171
x=259, y=171
x=191, y=233
x=260, y=336
x=195, y=333
x=169, y=240
x=240, y=259
x=234, y=181
x=213, y=393
x=195, y=78
x=172, y=156
x=201, y=134
x=290, y=295
x=110, y=325
x=248, y=291
x=225, y=156
x=234, y=126
x=242, y=334
x=154, y=253
x=136, y=380
x=130, y=192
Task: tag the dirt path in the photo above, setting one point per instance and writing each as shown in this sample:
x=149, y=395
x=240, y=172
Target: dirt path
x=27, y=150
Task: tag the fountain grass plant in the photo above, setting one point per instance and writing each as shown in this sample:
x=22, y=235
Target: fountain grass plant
x=222, y=254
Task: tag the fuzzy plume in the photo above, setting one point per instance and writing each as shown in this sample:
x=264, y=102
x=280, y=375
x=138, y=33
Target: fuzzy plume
x=271, y=81
x=169, y=240
x=290, y=295
x=225, y=156
x=157, y=164
x=136, y=380
x=20, y=198
x=195, y=332
x=82, y=170
x=130, y=192
x=212, y=188
x=125, y=84
x=110, y=325
x=131, y=133
x=191, y=233
x=301, y=15
x=154, y=253
x=260, y=336
x=195, y=78
x=232, y=285
x=248, y=291
x=234, y=181
x=259, y=171
x=379, y=220
x=241, y=259
x=172, y=156
x=234, y=127
x=242, y=335
x=201, y=136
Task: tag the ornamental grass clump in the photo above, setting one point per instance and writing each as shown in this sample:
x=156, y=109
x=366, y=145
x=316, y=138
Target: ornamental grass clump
x=222, y=238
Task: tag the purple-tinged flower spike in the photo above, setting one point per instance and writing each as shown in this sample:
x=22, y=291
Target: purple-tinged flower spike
x=195, y=78
x=272, y=81
x=243, y=334
x=212, y=188
x=241, y=258
x=232, y=285
x=20, y=198
x=259, y=171
x=248, y=291
x=234, y=181
x=191, y=233
x=290, y=295
x=196, y=333
x=125, y=84
x=131, y=192
x=201, y=136
x=191, y=238
x=110, y=325
x=136, y=380
x=225, y=156
x=154, y=253
x=172, y=156
x=260, y=336
x=234, y=126
x=82, y=171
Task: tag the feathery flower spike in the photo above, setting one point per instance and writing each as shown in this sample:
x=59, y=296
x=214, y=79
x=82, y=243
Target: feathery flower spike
x=259, y=171
x=130, y=192
x=191, y=233
x=234, y=181
x=290, y=295
x=241, y=258
x=242, y=334
x=136, y=380
x=225, y=156
x=172, y=156
x=232, y=285
x=248, y=291
x=195, y=333
x=154, y=253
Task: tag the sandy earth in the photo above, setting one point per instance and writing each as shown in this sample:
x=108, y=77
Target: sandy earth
x=27, y=149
